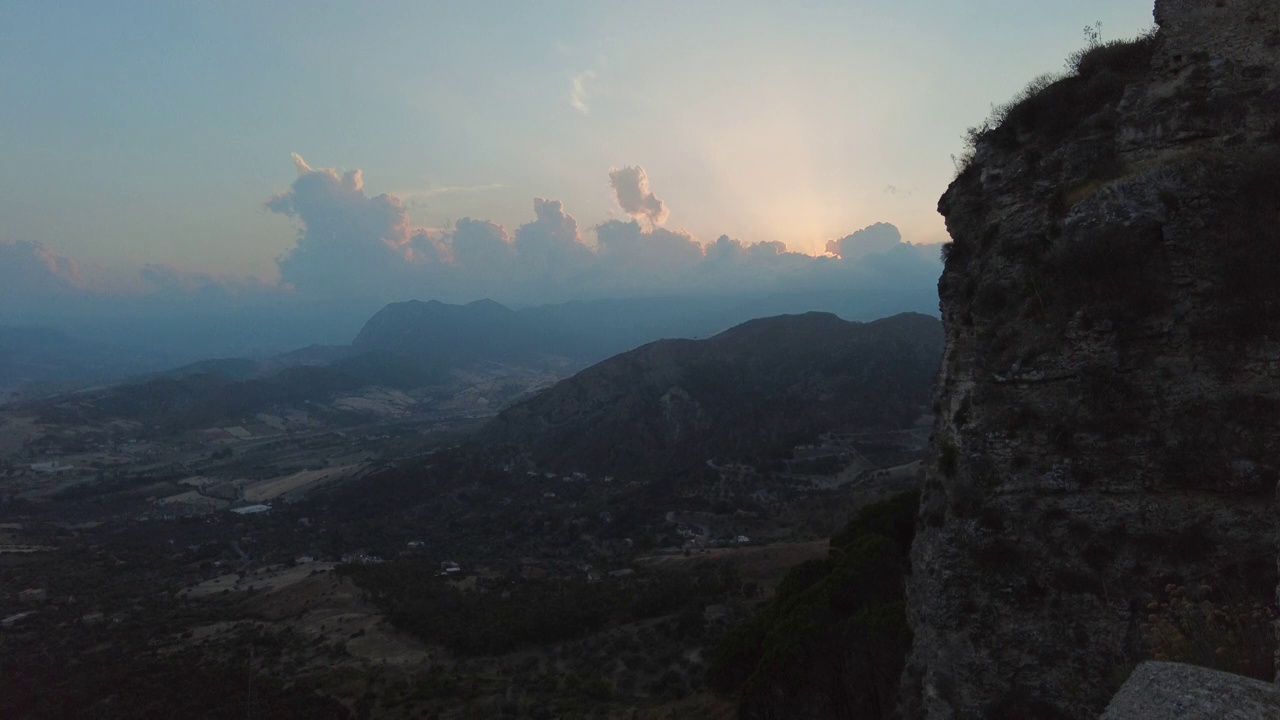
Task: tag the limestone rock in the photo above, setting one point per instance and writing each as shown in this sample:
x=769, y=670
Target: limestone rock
x=1158, y=690
x=1108, y=412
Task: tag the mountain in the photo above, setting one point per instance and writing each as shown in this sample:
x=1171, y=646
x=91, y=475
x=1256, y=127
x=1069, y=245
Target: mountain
x=194, y=398
x=42, y=359
x=481, y=330
x=405, y=346
x=592, y=330
x=1109, y=411
x=748, y=392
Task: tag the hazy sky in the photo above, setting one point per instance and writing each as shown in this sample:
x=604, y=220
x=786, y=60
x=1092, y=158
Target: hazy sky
x=137, y=133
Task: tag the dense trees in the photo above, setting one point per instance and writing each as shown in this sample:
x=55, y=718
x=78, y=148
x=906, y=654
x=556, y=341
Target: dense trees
x=833, y=640
x=119, y=674
x=504, y=617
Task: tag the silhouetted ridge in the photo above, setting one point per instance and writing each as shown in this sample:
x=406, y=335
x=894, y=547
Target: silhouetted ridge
x=747, y=392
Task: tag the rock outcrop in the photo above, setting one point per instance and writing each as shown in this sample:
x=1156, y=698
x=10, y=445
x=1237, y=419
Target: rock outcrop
x=1109, y=402
x=1187, y=692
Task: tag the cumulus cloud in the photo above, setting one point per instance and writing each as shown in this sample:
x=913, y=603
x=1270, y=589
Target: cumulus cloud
x=38, y=285
x=631, y=188
x=550, y=246
x=482, y=243
x=354, y=251
x=633, y=258
x=36, y=273
x=578, y=91
x=352, y=244
x=360, y=250
x=877, y=238
x=33, y=272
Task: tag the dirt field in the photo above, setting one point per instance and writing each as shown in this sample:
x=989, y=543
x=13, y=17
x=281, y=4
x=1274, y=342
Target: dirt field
x=378, y=402
x=267, y=579
x=292, y=487
x=194, y=503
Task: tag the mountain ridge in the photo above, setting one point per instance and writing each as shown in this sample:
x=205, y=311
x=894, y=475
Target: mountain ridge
x=750, y=391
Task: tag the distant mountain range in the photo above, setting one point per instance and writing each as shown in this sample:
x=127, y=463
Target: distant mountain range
x=46, y=360
x=744, y=393
x=403, y=346
x=590, y=331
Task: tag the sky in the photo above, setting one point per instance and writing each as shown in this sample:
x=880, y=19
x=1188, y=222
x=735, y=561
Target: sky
x=171, y=145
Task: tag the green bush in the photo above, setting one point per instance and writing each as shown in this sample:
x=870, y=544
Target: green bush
x=1052, y=106
x=495, y=621
x=1116, y=56
x=833, y=641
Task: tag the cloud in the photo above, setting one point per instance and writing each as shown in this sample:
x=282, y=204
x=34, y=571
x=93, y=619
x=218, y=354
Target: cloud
x=578, y=91
x=634, y=258
x=353, y=245
x=631, y=188
x=480, y=242
x=877, y=238
x=32, y=273
x=354, y=251
x=550, y=248
x=418, y=198
x=39, y=285
x=357, y=250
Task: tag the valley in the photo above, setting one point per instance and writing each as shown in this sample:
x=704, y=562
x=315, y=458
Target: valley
x=368, y=549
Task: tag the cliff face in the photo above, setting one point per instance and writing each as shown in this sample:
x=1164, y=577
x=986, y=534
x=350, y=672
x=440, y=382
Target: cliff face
x=1109, y=401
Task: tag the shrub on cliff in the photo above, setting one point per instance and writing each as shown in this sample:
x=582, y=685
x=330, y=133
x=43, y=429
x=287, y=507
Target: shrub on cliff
x=1188, y=626
x=1053, y=106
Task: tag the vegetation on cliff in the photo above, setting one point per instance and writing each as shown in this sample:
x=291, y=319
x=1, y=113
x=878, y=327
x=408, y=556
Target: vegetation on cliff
x=1107, y=408
x=507, y=616
x=1055, y=105
x=833, y=640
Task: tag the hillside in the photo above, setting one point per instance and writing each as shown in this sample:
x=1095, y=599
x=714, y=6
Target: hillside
x=748, y=392
x=36, y=360
x=174, y=402
x=480, y=330
x=593, y=330
x=1107, y=422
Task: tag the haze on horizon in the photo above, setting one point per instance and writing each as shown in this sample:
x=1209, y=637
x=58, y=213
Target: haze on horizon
x=531, y=154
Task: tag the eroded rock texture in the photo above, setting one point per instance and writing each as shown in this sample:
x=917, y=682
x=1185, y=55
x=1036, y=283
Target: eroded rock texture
x=1109, y=403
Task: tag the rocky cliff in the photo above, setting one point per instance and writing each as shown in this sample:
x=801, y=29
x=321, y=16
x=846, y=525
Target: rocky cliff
x=1109, y=401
